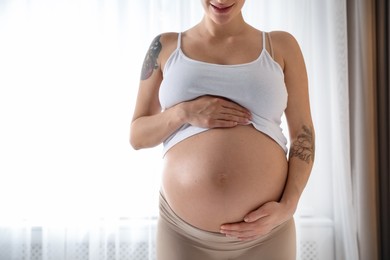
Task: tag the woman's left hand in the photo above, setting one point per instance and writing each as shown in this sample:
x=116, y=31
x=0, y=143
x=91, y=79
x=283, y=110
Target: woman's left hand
x=259, y=222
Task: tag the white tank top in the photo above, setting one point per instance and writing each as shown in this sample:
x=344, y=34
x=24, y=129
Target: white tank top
x=258, y=86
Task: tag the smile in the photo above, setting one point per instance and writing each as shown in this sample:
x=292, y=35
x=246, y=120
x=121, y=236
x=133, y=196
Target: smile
x=221, y=9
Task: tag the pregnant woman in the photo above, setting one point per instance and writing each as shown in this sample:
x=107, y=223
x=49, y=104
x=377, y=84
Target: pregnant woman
x=214, y=96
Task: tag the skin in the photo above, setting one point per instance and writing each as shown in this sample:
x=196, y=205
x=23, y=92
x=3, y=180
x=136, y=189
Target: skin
x=151, y=126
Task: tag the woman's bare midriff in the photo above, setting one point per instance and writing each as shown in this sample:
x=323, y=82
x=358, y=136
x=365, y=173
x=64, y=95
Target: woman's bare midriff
x=220, y=175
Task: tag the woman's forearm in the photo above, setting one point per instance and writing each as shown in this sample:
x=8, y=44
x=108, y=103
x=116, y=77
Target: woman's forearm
x=150, y=131
x=301, y=159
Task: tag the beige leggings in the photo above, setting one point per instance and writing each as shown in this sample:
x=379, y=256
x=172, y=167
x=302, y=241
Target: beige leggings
x=178, y=240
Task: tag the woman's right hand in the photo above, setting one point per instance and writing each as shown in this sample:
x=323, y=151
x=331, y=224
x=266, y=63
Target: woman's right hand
x=213, y=112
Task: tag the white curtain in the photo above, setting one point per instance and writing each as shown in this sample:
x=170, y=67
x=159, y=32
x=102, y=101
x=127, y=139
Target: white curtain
x=70, y=185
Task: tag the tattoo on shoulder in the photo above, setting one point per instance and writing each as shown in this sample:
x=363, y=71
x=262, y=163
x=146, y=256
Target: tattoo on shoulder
x=150, y=62
x=304, y=147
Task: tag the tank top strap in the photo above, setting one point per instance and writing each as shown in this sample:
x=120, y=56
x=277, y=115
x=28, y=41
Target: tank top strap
x=264, y=42
x=178, y=40
x=270, y=45
x=265, y=36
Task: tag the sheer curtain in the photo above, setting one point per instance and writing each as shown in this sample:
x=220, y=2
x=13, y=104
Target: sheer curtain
x=364, y=84
x=70, y=185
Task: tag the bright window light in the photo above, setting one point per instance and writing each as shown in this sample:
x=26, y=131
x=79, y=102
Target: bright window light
x=68, y=79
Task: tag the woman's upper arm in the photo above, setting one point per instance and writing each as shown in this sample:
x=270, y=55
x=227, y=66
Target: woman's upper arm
x=150, y=125
x=147, y=102
x=298, y=113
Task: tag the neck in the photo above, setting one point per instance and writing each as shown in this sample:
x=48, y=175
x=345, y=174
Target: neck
x=232, y=28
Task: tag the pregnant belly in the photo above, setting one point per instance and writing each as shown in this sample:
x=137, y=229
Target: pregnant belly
x=221, y=175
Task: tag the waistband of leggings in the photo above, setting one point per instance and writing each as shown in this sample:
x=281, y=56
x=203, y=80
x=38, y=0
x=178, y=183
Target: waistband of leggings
x=206, y=238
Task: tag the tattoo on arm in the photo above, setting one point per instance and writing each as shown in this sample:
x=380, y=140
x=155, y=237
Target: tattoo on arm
x=150, y=62
x=303, y=147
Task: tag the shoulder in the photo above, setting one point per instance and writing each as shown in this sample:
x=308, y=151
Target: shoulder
x=284, y=40
x=286, y=47
x=168, y=38
x=165, y=44
x=285, y=43
x=165, y=40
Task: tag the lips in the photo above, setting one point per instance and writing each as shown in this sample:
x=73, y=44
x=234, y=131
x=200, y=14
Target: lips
x=221, y=9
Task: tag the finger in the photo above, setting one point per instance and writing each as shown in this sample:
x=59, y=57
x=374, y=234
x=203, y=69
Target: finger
x=233, y=105
x=240, y=227
x=256, y=215
x=223, y=120
x=223, y=123
x=238, y=113
x=234, y=108
x=239, y=119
